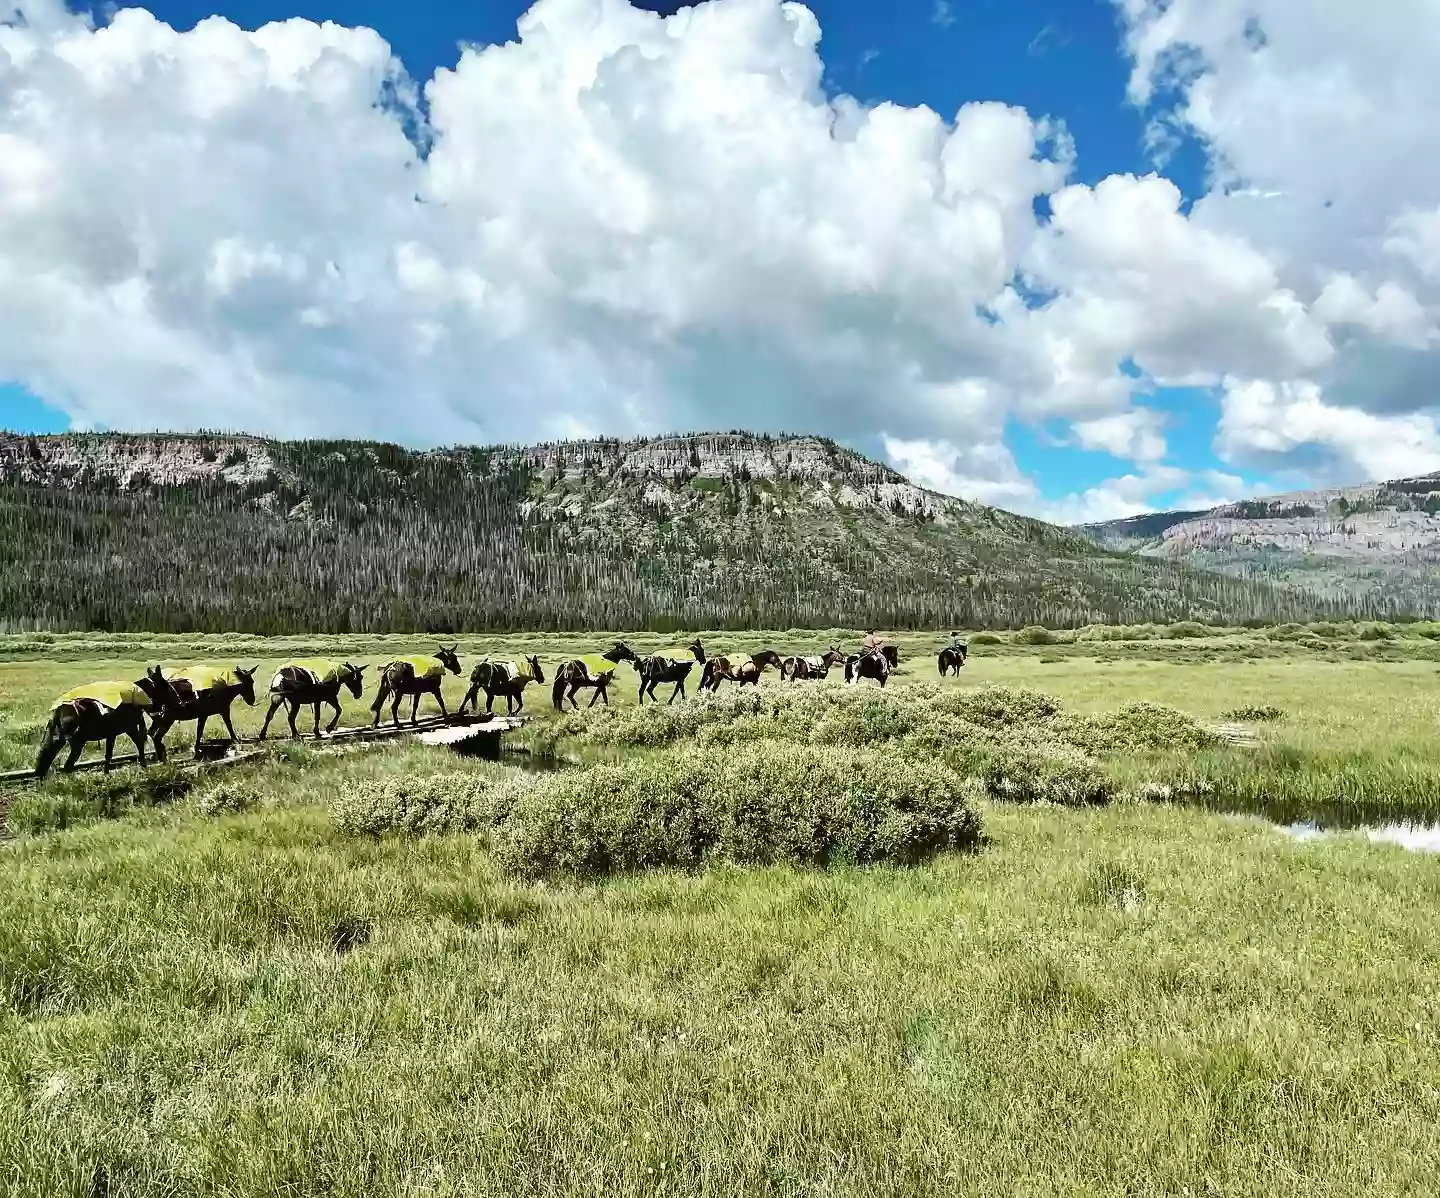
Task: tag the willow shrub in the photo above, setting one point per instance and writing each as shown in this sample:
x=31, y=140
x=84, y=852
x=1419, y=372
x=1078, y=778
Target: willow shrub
x=766, y=803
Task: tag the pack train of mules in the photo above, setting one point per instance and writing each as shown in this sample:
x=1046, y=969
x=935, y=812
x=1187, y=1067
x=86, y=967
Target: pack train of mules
x=105, y=711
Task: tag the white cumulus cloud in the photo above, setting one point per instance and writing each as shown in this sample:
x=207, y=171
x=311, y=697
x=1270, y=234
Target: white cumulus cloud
x=625, y=223
x=1318, y=121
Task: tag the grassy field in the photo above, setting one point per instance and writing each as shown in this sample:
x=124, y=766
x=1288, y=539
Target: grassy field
x=1131, y=999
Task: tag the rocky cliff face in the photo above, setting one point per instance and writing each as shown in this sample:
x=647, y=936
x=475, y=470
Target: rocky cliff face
x=1378, y=542
x=127, y=460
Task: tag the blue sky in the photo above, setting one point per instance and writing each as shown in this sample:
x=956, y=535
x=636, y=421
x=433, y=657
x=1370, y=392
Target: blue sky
x=1034, y=418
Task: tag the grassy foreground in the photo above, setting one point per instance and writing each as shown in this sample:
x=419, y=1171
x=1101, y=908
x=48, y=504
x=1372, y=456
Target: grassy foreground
x=1132, y=999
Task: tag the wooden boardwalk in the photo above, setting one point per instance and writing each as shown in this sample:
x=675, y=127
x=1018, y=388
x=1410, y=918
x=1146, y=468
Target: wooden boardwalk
x=455, y=731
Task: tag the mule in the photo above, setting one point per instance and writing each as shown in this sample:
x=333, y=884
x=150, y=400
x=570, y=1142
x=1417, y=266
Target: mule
x=801, y=669
x=867, y=665
x=103, y=711
x=501, y=678
x=667, y=666
x=733, y=669
x=594, y=672
x=200, y=692
x=310, y=683
x=414, y=676
x=952, y=659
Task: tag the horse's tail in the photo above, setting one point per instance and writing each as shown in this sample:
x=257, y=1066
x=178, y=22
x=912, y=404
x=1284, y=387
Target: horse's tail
x=382, y=691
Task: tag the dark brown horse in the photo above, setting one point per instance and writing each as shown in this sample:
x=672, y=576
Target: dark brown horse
x=733, y=668
x=659, y=667
x=595, y=672
x=200, y=692
x=414, y=676
x=800, y=669
x=501, y=678
x=952, y=659
x=103, y=711
x=310, y=683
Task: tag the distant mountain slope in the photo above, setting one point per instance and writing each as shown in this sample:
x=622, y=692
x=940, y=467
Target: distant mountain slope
x=708, y=530
x=1374, y=548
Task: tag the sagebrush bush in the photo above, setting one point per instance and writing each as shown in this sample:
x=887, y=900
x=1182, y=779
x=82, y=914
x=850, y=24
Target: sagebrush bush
x=437, y=803
x=996, y=706
x=985, y=638
x=1135, y=726
x=230, y=796
x=1033, y=634
x=757, y=804
x=1030, y=771
x=1258, y=714
x=1186, y=629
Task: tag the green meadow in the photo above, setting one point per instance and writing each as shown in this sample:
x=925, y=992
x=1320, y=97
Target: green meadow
x=1032, y=930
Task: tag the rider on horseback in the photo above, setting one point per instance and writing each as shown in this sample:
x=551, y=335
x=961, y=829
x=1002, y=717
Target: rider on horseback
x=874, y=644
x=955, y=643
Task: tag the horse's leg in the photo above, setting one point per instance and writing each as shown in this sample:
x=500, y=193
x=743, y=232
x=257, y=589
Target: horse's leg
x=199, y=731
x=334, y=701
x=158, y=728
x=229, y=727
x=519, y=700
x=77, y=746
x=489, y=702
x=270, y=715
x=395, y=709
x=137, y=734
x=109, y=751
x=292, y=710
x=440, y=699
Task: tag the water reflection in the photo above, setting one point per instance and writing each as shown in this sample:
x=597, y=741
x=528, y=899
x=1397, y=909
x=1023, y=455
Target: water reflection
x=1418, y=838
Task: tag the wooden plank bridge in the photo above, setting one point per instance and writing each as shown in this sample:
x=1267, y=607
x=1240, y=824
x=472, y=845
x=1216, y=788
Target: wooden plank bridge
x=477, y=734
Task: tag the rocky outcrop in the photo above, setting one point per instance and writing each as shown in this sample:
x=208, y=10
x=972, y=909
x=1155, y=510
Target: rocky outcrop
x=75, y=460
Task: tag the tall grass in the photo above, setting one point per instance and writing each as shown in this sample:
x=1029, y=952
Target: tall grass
x=334, y=974
x=1127, y=1001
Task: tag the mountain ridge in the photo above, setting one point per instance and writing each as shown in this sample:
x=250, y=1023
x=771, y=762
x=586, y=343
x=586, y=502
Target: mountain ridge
x=215, y=532
x=1372, y=545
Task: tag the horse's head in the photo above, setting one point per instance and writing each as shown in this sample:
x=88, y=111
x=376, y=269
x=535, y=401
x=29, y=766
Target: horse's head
x=353, y=677
x=448, y=659
x=157, y=688
x=620, y=651
x=697, y=649
x=535, y=671
x=246, y=681
x=833, y=657
x=766, y=657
